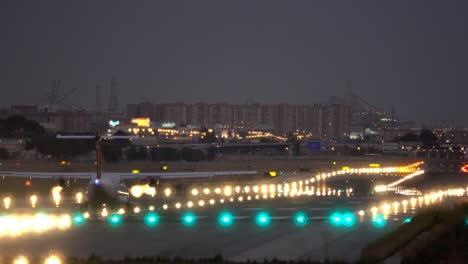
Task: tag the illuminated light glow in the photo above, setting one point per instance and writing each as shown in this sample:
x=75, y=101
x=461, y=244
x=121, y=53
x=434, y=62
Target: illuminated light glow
x=231, y=200
x=21, y=260
x=255, y=189
x=33, y=200
x=349, y=219
x=246, y=189
x=264, y=189
x=379, y=221
x=7, y=202
x=221, y=200
x=272, y=188
x=257, y=197
x=78, y=219
x=206, y=191
x=408, y=220
x=86, y=215
x=262, y=219
x=56, y=196
x=240, y=199
x=53, y=260
x=115, y=220
x=217, y=190
x=151, y=208
x=194, y=192
x=151, y=219
x=227, y=191
x=374, y=210
x=386, y=207
x=136, y=210
x=237, y=189
x=97, y=182
x=104, y=212
x=178, y=205
x=189, y=219
x=212, y=201
x=336, y=218
x=165, y=207
x=225, y=219
x=189, y=204
x=361, y=213
x=201, y=203
x=121, y=211
x=301, y=219
x=150, y=190
x=141, y=121
x=137, y=191
x=249, y=198
x=79, y=197
x=167, y=192
x=135, y=171
x=464, y=168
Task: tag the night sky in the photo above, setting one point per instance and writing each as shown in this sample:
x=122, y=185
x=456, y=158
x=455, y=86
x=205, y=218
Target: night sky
x=412, y=55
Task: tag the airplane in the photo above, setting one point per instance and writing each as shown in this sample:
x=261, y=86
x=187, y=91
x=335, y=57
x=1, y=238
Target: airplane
x=108, y=187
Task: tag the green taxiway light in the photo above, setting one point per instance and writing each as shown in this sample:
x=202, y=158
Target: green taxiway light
x=301, y=219
x=349, y=219
x=225, y=219
x=346, y=219
x=151, y=219
x=115, y=220
x=379, y=221
x=189, y=219
x=408, y=220
x=336, y=218
x=263, y=219
x=78, y=219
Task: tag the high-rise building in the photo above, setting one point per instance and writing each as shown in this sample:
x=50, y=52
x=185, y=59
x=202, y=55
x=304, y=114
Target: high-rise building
x=113, y=98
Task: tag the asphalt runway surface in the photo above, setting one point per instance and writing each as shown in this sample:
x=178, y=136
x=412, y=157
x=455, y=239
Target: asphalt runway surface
x=244, y=240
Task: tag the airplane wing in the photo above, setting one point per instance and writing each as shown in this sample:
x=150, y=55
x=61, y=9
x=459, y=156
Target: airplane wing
x=180, y=175
x=48, y=175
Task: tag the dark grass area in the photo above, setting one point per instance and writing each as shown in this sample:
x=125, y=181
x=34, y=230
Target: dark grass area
x=433, y=236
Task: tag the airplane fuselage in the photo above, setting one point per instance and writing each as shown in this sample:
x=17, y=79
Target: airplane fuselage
x=108, y=191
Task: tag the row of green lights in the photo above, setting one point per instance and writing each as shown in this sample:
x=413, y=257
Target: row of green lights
x=226, y=219
x=345, y=219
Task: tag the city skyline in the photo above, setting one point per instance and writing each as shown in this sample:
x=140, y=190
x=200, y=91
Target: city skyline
x=410, y=56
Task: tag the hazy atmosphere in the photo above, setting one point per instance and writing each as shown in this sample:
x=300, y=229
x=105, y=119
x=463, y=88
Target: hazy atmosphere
x=408, y=54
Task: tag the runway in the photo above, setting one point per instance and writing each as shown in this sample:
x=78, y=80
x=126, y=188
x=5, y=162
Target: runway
x=244, y=240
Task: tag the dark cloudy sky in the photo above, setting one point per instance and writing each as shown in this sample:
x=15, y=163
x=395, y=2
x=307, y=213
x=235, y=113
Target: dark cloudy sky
x=412, y=55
